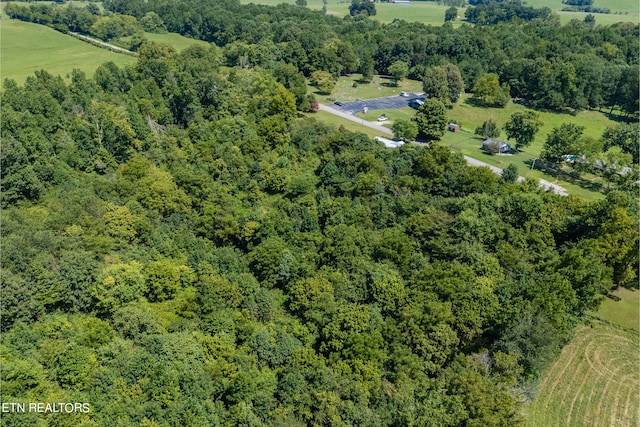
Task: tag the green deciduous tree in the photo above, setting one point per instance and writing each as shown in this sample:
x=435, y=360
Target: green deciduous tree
x=489, y=129
x=165, y=277
x=405, y=129
x=18, y=181
x=510, y=174
x=488, y=91
x=323, y=81
x=118, y=285
x=450, y=14
x=523, y=126
x=362, y=7
x=398, y=71
x=113, y=129
x=443, y=82
x=152, y=23
x=431, y=119
x=109, y=27
x=563, y=140
x=627, y=137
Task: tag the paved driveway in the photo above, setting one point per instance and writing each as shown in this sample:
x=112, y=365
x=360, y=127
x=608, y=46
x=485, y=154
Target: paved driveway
x=387, y=103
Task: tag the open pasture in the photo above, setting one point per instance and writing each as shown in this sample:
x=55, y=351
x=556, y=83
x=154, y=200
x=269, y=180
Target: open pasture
x=417, y=11
x=595, y=381
x=28, y=47
x=432, y=13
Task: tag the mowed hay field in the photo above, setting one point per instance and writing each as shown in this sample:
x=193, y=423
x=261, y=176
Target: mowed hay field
x=27, y=48
x=596, y=381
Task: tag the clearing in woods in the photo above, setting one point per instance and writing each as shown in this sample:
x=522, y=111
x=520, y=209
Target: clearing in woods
x=596, y=380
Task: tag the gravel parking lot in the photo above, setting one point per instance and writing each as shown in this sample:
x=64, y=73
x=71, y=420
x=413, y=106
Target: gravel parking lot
x=388, y=103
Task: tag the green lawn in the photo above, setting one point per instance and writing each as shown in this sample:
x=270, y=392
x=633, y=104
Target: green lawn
x=470, y=116
x=26, y=48
x=349, y=88
x=625, y=312
x=336, y=122
x=392, y=115
x=596, y=380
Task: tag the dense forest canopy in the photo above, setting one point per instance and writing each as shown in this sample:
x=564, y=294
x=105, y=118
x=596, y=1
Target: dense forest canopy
x=181, y=247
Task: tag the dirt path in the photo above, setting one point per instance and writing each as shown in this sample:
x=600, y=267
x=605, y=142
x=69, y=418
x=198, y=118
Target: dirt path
x=100, y=42
x=470, y=160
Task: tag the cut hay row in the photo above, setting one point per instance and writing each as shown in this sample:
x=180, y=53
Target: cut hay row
x=595, y=382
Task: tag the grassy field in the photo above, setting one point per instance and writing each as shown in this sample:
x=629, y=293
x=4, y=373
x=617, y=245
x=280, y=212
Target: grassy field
x=27, y=48
x=596, y=380
x=421, y=11
x=379, y=87
x=432, y=13
x=625, y=312
x=470, y=116
x=336, y=122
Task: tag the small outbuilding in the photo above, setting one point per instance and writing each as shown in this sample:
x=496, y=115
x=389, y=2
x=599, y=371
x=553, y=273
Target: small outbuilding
x=454, y=127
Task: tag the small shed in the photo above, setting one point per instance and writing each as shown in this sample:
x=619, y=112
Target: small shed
x=454, y=127
x=495, y=146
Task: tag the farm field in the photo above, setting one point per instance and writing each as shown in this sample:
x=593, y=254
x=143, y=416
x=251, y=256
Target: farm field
x=28, y=47
x=431, y=13
x=595, y=381
x=425, y=12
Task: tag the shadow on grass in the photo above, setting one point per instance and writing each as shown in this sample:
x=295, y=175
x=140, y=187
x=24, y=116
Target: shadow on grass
x=613, y=115
x=619, y=118
x=571, y=176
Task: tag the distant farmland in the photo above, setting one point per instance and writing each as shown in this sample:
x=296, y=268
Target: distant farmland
x=596, y=381
x=28, y=47
x=431, y=12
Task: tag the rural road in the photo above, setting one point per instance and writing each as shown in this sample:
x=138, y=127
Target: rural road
x=550, y=186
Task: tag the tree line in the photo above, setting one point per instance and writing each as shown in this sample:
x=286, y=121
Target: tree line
x=558, y=67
